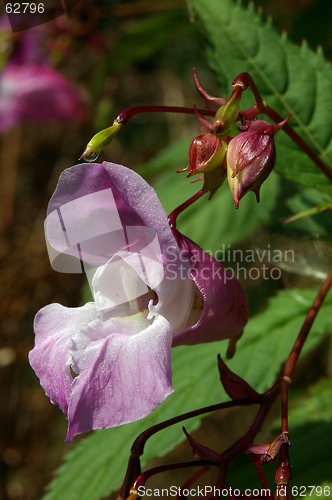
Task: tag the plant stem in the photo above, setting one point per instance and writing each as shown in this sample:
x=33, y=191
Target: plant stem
x=261, y=107
x=258, y=98
x=141, y=480
x=281, y=384
x=260, y=473
x=284, y=382
x=176, y=212
x=299, y=141
x=139, y=443
x=124, y=116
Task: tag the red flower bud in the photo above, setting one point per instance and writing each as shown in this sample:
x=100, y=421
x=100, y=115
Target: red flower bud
x=206, y=153
x=251, y=157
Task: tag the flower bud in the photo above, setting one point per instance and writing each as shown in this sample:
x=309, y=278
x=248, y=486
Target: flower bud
x=100, y=141
x=283, y=474
x=227, y=114
x=251, y=157
x=206, y=153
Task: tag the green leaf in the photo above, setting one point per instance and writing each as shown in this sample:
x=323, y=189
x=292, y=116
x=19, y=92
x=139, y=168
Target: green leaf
x=291, y=79
x=171, y=158
x=305, y=200
x=97, y=465
x=316, y=406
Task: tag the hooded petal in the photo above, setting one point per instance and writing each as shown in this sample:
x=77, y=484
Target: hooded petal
x=54, y=327
x=121, y=378
x=225, y=311
x=105, y=208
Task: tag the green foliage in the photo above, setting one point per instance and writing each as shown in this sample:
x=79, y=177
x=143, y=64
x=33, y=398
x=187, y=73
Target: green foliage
x=142, y=39
x=291, y=79
x=265, y=345
x=305, y=199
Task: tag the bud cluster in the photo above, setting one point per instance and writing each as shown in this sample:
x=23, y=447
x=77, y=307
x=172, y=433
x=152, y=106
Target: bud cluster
x=247, y=159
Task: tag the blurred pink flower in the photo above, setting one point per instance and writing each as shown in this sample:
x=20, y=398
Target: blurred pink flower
x=31, y=90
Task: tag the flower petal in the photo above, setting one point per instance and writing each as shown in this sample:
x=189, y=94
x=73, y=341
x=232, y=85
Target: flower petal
x=98, y=210
x=225, y=311
x=175, y=299
x=54, y=326
x=121, y=378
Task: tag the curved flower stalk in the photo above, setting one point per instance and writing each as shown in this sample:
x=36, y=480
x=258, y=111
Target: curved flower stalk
x=31, y=90
x=108, y=363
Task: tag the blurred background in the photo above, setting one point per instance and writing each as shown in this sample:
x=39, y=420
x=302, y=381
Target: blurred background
x=102, y=58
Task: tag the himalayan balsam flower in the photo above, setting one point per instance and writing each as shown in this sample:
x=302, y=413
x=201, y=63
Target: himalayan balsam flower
x=108, y=362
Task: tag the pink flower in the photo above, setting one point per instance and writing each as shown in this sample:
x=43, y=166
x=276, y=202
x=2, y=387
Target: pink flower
x=32, y=91
x=37, y=93
x=152, y=289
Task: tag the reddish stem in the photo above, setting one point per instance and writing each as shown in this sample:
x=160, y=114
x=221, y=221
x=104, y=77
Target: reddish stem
x=261, y=107
x=139, y=443
x=260, y=473
x=176, y=212
x=124, y=116
x=194, y=477
x=284, y=382
x=268, y=398
x=141, y=480
x=138, y=447
x=299, y=141
x=243, y=444
x=258, y=98
x=283, y=473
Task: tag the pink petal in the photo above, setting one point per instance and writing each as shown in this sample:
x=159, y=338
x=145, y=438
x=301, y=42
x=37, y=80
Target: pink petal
x=225, y=311
x=122, y=378
x=54, y=326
